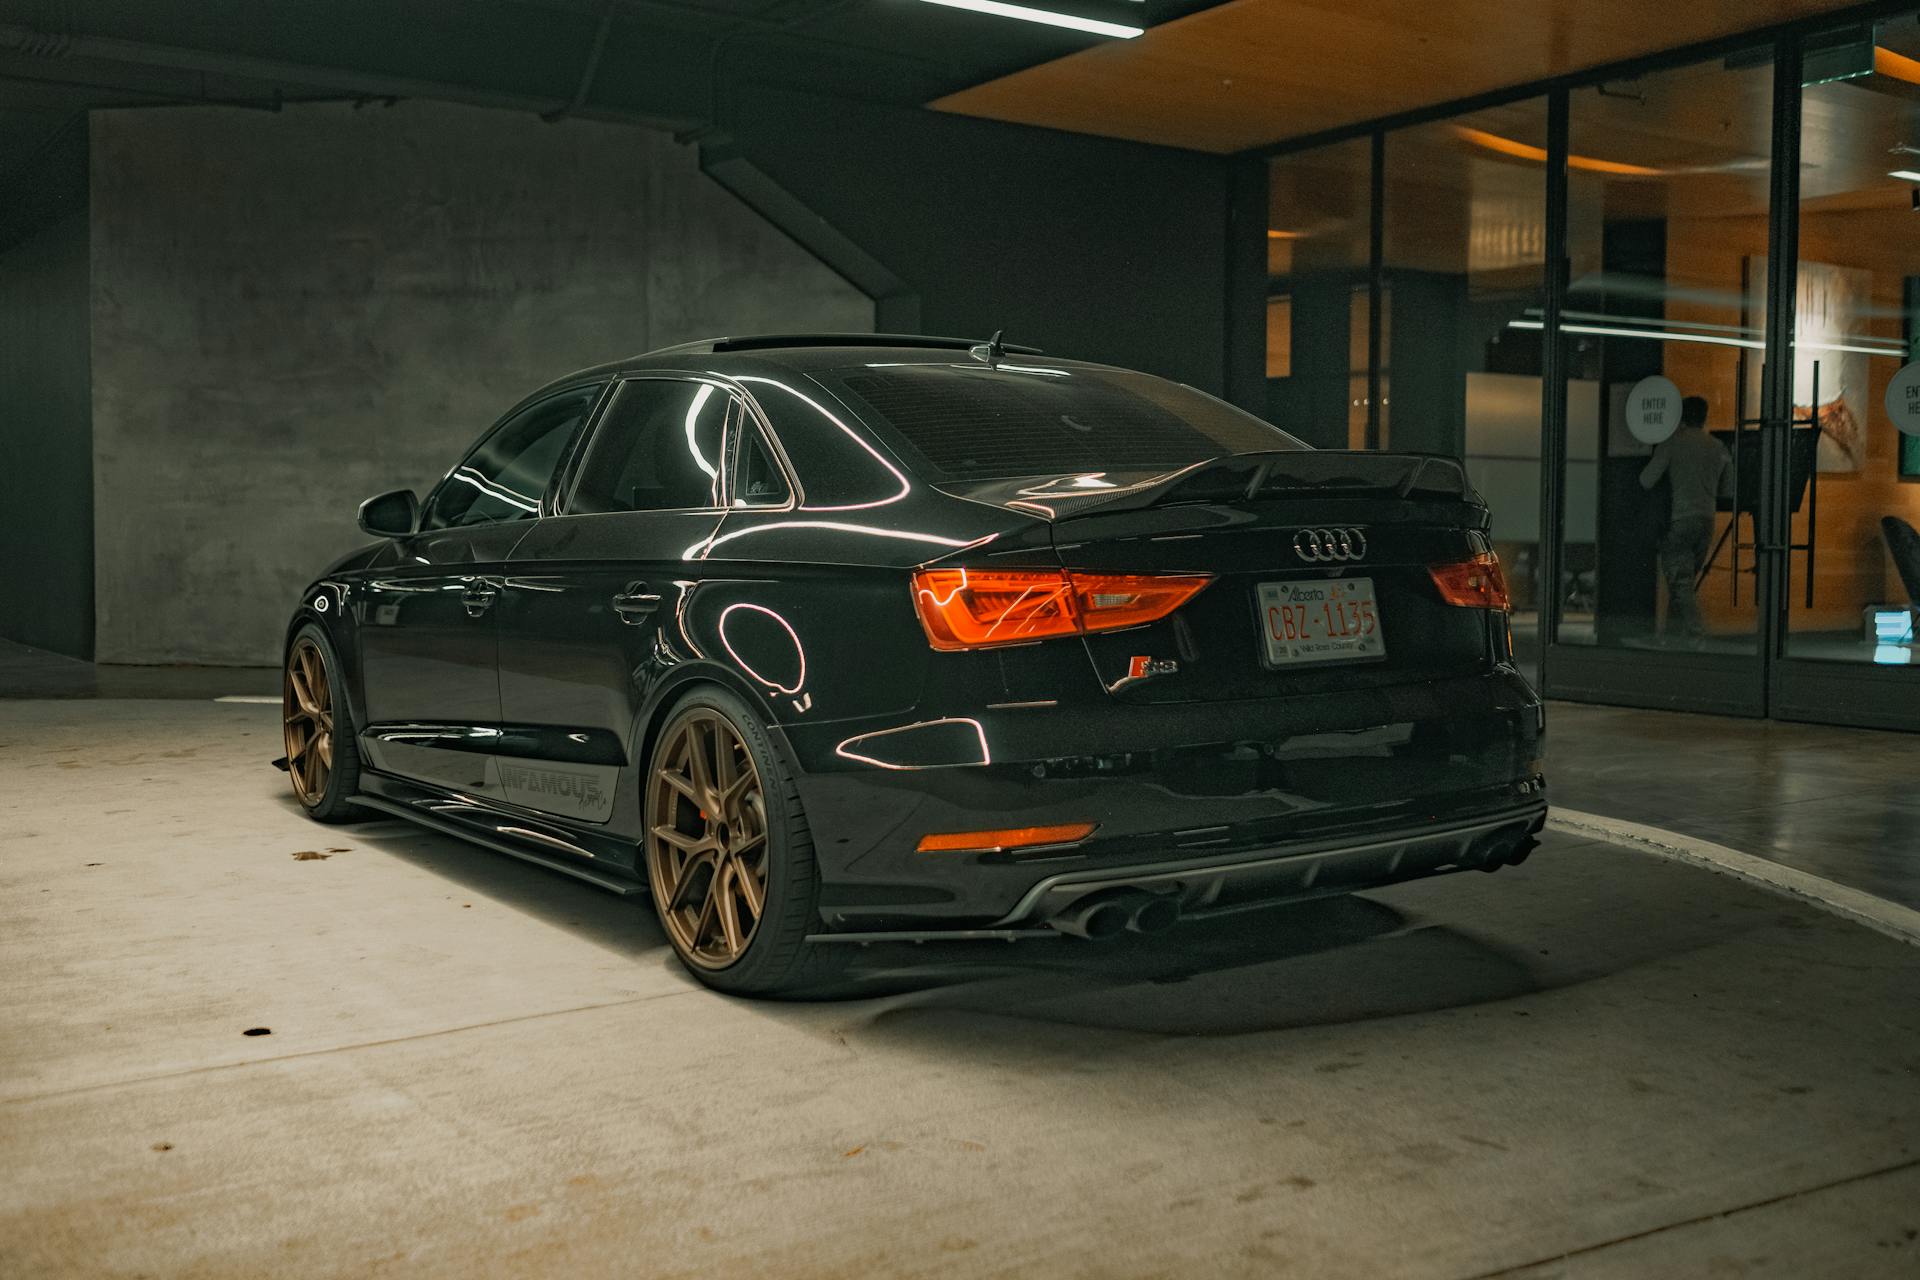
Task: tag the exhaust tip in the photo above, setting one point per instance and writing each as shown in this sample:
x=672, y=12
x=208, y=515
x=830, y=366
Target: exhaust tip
x=1489, y=853
x=1095, y=919
x=1105, y=920
x=1155, y=915
x=1501, y=850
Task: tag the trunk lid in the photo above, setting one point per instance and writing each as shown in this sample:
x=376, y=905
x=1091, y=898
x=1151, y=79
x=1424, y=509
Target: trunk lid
x=1305, y=526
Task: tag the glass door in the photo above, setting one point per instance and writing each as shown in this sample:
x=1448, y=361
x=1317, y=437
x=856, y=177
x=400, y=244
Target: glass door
x=1850, y=488
x=1664, y=332
x=1463, y=267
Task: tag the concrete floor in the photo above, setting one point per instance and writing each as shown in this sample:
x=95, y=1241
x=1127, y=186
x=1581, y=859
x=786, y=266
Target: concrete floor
x=26, y=672
x=1598, y=1064
x=1840, y=803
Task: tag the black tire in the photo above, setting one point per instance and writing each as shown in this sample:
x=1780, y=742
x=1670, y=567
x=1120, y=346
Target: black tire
x=776, y=960
x=332, y=799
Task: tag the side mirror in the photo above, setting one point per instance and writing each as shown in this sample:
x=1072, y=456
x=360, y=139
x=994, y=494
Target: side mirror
x=391, y=515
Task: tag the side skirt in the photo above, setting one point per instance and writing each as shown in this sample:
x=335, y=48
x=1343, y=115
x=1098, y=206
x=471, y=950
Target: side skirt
x=533, y=839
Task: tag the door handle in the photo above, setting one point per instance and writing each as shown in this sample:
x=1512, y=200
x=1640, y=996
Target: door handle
x=635, y=603
x=478, y=597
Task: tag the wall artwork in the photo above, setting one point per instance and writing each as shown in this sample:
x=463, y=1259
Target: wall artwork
x=1831, y=309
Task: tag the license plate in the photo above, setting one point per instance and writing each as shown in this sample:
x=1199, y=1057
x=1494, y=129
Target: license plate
x=1336, y=620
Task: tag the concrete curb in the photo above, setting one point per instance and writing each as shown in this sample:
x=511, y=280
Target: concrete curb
x=1863, y=908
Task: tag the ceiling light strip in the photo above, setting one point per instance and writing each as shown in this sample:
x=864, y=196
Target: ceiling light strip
x=1895, y=66
x=1092, y=26
x=1752, y=344
x=1524, y=151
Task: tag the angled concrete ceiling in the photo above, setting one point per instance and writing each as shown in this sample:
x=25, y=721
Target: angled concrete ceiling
x=1254, y=72
x=670, y=63
x=666, y=61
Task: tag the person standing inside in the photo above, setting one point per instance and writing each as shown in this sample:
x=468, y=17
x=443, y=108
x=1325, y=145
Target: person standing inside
x=1699, y=471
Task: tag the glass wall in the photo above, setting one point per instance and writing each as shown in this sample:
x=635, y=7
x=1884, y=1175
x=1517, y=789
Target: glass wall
x=1460, y=258
x=1726, y=539
x=1464, y=267
x=1667, y=191
x=1855, y=566
x=1318, y=261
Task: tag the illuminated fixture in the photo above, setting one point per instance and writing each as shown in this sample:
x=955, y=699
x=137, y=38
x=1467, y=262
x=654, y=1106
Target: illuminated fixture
x=1006, y=838
x=1711, y=339
x=1892, y=626
x=975, y=608
x=1895, y=66
x=1285, y=235
x=1092, y=26
x=1522, y=151
x=1911, y=175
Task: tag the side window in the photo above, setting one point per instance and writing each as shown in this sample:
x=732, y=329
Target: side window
x=659, y=447
x=758, y=481
x=505, y=477
x=832, y=460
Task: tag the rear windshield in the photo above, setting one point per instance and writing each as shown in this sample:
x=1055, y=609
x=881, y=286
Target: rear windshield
x=969, y=422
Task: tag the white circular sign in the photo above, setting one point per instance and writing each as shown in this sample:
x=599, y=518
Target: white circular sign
x=1903, y=398
x=1653, y=409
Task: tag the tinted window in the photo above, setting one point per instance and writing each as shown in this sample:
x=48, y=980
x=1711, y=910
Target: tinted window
x=658, y=448
x=838, y=468
x=758, y=482
x=974, y=423
x=506, y=476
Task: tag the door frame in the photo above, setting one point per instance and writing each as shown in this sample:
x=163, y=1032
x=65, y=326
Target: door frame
x=1859, y=694
x=1769, y=683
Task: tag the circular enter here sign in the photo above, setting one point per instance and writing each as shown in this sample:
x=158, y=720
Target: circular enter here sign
x=1903, y=398
x=1653, y=409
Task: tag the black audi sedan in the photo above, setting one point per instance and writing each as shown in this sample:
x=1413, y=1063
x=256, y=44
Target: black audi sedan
x=839, y=639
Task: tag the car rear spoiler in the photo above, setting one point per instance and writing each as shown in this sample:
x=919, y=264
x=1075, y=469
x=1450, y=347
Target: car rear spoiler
x=1322, y=473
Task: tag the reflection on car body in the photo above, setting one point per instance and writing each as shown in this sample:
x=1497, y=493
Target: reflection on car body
x=840, y=638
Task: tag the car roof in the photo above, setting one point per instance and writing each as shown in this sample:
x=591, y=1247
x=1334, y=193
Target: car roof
x=801, y=353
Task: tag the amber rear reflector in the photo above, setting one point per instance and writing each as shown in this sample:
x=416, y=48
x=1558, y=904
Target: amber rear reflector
x=976, y=608
x=1007, y=838
x=1478, y=583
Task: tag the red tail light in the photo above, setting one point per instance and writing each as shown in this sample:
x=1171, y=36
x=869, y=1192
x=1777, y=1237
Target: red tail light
x=1475, y=584
x=975, y=608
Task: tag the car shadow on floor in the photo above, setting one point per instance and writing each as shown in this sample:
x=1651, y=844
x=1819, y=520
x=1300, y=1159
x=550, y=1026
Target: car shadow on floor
x=1458, y=941
x=625, y=925
x=1580, y=913
x=1329, y=960
x=993, y=975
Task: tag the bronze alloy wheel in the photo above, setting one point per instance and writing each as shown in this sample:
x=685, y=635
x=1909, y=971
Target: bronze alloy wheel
x=707, y=849
x=306, y=702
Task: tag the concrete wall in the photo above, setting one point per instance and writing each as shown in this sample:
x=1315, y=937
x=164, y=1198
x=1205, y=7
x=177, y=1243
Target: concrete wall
x=46, y=485
x=1087, y=247
x=294, y=310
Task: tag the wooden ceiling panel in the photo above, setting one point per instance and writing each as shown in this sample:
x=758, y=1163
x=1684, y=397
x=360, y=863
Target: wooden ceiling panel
x=1253, y=72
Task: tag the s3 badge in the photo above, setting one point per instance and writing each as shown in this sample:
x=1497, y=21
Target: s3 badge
x=1142, y=667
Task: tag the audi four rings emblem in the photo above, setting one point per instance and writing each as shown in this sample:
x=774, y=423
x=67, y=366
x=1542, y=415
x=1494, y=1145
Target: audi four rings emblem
x=1324, y=545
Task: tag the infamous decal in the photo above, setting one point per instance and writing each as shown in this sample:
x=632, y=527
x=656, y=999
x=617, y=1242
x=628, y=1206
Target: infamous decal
x=577, y=793
x=546, y=782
